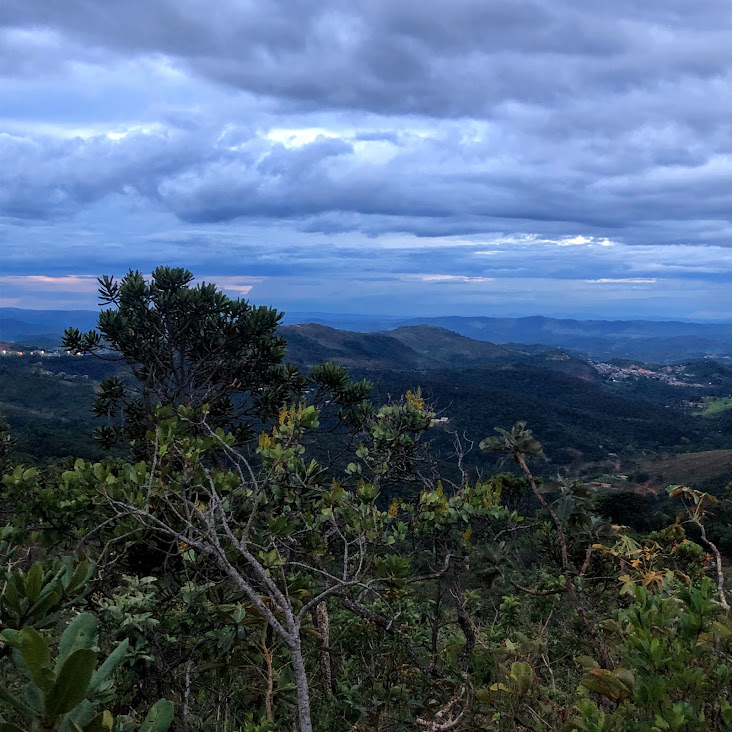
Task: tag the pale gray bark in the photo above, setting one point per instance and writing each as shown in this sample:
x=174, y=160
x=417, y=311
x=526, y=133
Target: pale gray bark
x=301, y=683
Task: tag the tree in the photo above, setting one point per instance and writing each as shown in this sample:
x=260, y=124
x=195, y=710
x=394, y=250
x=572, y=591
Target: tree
x=6, y=443
x=65, y=692
x=290, y=535
x=674, y=669
x=281, y=535
x=519, y=445
x=185, y=345
x=696, y=507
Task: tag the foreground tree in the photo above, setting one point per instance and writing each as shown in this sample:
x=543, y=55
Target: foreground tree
x=287, y=535
x=50, y=677
x=6, y=443
x=271, y=554
x=519, y=445
x=185, y=345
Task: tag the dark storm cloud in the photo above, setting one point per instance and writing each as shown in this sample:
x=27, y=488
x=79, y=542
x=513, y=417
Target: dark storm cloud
x=309, y=138
x=428, y=57
x=593, y=116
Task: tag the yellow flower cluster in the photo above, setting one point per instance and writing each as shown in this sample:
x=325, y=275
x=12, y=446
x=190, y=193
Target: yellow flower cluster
x=415, y=399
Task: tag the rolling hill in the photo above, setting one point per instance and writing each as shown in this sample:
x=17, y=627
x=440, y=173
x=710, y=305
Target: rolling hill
x=645, y=340
x=408, y=348
x=578, y=413
x=650, y=341
x=42, y=327
x=448, y=347
x=310, y=343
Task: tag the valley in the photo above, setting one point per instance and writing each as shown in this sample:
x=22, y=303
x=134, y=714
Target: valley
x=595, y=418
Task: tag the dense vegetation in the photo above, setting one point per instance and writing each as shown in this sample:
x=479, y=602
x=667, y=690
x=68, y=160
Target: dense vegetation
x=271, y=548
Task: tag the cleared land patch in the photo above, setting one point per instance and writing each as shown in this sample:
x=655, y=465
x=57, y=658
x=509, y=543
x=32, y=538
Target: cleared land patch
x=713, y=406
x=689, y=468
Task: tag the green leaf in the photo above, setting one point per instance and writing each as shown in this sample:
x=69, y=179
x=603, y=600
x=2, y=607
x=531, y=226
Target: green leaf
x=80, y=575
x=103, y=722
x=35, y=582
x=79, y=633
x=114, y=659
x=40, y=609
x=34, y=651
x=586, y=662
x=72, y=682
x=33, y=696
x=523, y=675
x=726, y=709
x=10, y=596
x=159, y=718
x=13, y=703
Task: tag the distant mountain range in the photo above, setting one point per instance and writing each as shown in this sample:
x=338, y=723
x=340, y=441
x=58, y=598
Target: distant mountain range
x=42, y=327
x=420, y=348
x=645, y=340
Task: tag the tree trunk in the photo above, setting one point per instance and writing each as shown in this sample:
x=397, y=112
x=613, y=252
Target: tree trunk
x=267, y=655
x=322, y=625
x=301, y=683
x=718, y=561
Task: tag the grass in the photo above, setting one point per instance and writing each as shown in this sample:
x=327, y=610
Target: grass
x=714, y=406
x=690, y=468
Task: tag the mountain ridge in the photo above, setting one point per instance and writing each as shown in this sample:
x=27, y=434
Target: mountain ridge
x=666, y=341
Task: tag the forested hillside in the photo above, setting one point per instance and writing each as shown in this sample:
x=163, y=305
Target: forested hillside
x=258, y=538
x=646, y=340
x=476, y=384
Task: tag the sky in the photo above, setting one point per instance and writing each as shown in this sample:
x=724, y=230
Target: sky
x=478, y=157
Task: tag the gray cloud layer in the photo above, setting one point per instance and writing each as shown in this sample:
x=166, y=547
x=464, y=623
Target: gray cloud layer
x=532, y=120
x=432, y=57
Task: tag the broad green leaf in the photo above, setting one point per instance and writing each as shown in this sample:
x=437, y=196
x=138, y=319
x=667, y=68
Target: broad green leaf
x=72, y=682
x=40, y=609
x=79, y=633
x=114, y=659
x=35, y=582
x=103, y=722
x=34, y=651
x=159, y=718
x=80, y=575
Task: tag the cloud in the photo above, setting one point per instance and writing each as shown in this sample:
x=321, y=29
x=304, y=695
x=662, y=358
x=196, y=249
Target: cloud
x=68, y=283
x=624, y=281
x=431, y=57
x=453, y=278
x=436, y=185
x=631, y=100
x=232, y=285
x=38, y=291
x=323, y=142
